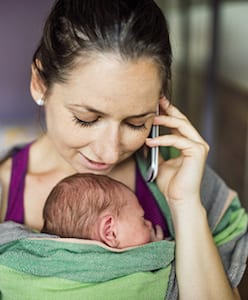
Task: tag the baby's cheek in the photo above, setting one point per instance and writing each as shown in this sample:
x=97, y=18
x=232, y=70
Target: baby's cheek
x=149, y=235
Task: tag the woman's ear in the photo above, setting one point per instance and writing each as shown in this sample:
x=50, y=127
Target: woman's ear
x=37, y=86
x=108, y=231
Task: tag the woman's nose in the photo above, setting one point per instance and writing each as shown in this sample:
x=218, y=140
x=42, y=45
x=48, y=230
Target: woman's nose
x=109, y=146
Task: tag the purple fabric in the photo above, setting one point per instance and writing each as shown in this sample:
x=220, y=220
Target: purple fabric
x=149, y=204
x=15, y=210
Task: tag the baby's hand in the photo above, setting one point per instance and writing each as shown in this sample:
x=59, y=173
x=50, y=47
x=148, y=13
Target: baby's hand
x=157, y=234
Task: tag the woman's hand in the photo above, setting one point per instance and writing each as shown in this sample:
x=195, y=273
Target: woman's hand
x=179, y=178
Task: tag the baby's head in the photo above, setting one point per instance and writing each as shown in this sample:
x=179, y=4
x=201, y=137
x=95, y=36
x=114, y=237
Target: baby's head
x=96, y=207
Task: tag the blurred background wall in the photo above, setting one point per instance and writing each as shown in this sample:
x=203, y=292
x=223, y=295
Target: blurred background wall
x=20, y=30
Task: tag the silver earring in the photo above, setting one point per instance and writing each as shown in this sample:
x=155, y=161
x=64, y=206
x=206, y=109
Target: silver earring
x=40, y=102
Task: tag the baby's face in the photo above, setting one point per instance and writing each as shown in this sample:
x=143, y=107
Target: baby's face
x=133, y=228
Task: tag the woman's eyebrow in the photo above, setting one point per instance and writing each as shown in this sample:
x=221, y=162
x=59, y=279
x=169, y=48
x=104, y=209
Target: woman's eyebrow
x=93, y=110
x=87, y=108
x=142, y=115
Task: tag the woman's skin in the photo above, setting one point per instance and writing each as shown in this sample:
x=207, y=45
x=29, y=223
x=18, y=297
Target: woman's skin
x=96, y=121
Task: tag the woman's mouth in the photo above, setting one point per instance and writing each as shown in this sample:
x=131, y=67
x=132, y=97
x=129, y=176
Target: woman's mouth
x=94, y=165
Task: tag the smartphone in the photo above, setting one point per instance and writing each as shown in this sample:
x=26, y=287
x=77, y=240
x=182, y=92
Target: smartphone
x=152, y=156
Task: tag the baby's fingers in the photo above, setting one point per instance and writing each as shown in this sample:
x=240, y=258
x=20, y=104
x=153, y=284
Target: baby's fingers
x=158, y=234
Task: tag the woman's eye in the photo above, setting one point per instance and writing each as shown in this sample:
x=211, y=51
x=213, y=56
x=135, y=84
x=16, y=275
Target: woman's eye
x=84, y=123
x=136, y=127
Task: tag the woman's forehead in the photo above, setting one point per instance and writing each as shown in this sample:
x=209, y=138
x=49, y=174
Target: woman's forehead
x=109, y=80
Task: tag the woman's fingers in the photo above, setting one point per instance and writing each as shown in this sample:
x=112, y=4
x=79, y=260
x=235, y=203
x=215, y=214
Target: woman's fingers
x=180, y=126
x=187, y=146
x=179, y=178
x=175, y=120
x=170, y=109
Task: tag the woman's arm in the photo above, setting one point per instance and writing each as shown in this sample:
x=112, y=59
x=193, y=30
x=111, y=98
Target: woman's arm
x=199, y=270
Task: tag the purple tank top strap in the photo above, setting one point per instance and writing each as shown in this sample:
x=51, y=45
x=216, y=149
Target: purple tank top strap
x=149, y=204
x=15, y=209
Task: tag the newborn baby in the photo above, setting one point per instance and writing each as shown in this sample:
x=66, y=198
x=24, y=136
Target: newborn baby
x=96, y=207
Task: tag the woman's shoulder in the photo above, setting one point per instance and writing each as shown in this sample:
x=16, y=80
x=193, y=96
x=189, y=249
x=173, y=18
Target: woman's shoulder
x=5, y=177
x=5, y=167
x=218, y=198
x=6, y=164
x=5, y=173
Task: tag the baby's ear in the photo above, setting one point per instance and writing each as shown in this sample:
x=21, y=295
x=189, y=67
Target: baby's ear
x=108, y=231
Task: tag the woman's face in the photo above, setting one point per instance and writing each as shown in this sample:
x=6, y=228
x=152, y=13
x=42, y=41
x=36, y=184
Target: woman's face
x=103, y=114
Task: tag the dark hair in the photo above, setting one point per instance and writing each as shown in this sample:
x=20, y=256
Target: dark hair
x=132, y=29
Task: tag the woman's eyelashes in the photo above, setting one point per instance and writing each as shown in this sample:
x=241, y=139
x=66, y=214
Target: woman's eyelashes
x=136, y=127
x=83, y=123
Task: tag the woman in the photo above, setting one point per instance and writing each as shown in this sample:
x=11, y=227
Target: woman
x=101, y=70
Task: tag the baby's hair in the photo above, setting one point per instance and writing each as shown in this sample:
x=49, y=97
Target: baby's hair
x=75, y=203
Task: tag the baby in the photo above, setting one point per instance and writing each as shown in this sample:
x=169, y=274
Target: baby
x=96, y=207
